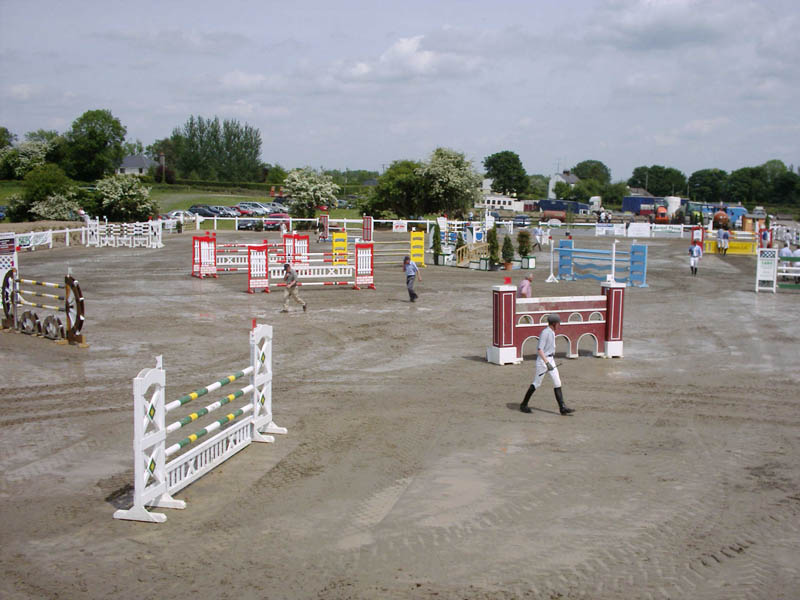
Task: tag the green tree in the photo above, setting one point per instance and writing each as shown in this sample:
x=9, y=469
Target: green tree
x=561, y=190
x=494, y=246
x=56, y=144
x=613, y=193
x=537, y=186
x=57, y=207
x=308, y=189
x=437, y=243
x=6, y=137
x=126, y=199
x=132, y=148
x=524, y=242
x=215, y=150
x=786, y=189
x=639, y=178
x=450, y=184
x=399, y=190
x=166, y=147
x=772, y=170
x=39, y=183
x=506, y=172
x=585, y=189
x=16, y=161
x=274, y=174
x=708, y=185
x=658, y=180
x=94, y=145
x=508, y=249
x=592, y=169
x=748, y=186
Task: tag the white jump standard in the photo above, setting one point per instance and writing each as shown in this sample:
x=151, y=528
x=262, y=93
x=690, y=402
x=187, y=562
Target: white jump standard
x=155, y=479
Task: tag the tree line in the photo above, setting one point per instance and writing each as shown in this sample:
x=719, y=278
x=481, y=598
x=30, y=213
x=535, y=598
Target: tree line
x=772, y=183
x=214, y=150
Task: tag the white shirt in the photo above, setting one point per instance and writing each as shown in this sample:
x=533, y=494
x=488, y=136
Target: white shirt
x=785, y=251
x=547, y=343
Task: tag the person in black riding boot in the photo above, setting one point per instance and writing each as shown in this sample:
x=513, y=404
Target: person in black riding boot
x=546, y=364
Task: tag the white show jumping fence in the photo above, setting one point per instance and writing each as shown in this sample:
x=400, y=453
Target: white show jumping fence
x=131, y=235
x=155, y=479
x=265, y=261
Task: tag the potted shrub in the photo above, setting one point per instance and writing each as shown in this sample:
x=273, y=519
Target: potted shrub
x=437, y=243
x=508, y=252
x=494, y=248
x=524, y=249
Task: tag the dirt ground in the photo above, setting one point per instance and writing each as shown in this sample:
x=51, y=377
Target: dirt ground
x=408, y=470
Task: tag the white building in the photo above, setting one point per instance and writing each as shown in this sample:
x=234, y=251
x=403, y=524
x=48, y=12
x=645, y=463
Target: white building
x=565, y=177
x=135, y=164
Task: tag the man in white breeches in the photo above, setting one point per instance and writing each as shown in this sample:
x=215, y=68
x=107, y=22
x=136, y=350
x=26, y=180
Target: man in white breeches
x=695, y=254
x=546, y=364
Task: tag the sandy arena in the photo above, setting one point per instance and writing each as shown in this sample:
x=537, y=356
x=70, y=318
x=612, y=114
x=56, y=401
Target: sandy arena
x=408, y=470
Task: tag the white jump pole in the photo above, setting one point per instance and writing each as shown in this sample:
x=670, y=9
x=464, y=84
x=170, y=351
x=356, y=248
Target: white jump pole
x=552, y=278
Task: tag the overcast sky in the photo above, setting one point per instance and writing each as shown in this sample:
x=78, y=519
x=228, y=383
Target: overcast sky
x=358, y=84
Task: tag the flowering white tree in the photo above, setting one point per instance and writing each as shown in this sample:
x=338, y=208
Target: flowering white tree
x=449, y=182
x=124, y=198
x=57, y=206
x=307, y=190
x=18, y=160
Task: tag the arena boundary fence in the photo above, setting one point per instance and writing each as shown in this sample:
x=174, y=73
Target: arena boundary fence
x=773, y=270
x=584, y=263
x=156, y=478
x=14, y=298
x=515, y=320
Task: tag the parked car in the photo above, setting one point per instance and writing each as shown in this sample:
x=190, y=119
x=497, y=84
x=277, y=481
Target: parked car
x=248, y=224
x=274, y=220
x=3, y=210
x=254, y=207
x=522, y=221
x=181, y=215
x=226, y=211
x=272, y=207
x=204, y=210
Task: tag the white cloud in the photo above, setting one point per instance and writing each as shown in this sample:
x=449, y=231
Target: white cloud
x=693, y=130
x=407, y=59
x=242, y=81
x=245, y=109
x=21, y=91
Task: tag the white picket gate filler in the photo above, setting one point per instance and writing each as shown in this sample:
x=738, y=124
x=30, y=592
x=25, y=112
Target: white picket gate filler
x=130, y=235
x=155, y=479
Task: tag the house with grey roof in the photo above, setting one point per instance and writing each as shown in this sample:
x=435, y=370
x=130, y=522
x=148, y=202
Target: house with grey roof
x=135, y=164
x=565, y=177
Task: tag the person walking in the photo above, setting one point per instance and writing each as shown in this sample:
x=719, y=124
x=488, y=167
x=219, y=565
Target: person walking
x=695, y=254
x=412, y=273
x=546, y=364
x=290, y=289
x=537, y=235
x=726, y=238
x=524, y=288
